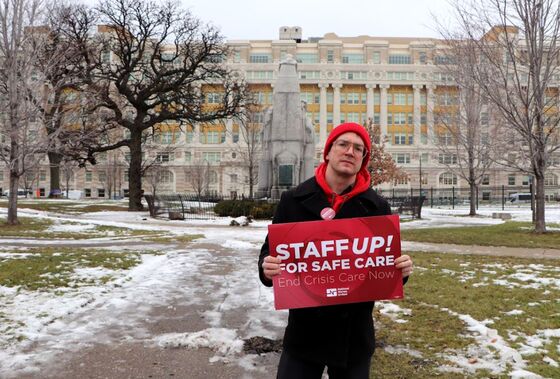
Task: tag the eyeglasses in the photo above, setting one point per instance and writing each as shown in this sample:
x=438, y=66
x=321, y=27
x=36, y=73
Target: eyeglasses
x=343, y=146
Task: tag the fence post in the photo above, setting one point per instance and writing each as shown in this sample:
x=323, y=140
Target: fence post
x=476, y=191
x=431, y=197
x=503, y=197
x=532, y=202
x=182, y=205
x=453, y=197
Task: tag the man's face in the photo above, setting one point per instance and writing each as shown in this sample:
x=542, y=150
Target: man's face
x=343, y=158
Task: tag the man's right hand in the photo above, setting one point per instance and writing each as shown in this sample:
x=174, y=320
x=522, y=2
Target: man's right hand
x=271, y=266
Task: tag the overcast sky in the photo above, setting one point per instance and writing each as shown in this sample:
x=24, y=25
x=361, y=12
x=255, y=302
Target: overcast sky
x=260, y=19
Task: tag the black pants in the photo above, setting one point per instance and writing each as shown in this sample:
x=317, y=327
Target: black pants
x=294, y=368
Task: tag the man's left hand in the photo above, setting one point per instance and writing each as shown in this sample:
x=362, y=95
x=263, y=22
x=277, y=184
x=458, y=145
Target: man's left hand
x=404, y=263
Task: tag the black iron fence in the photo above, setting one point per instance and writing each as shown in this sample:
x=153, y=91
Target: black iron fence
x=403, y=201
x=505, y=196
x=183, y=207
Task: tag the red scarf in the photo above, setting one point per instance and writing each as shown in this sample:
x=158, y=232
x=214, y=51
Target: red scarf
x=361, y=184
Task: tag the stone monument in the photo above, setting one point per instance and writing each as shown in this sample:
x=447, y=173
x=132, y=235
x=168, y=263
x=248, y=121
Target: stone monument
x=288, y=137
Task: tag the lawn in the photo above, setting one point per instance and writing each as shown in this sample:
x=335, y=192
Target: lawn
x=67, y=206
x=512, y=234
x=465, y=316
x=40, y=228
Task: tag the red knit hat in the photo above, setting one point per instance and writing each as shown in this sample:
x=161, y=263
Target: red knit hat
x=345, y=128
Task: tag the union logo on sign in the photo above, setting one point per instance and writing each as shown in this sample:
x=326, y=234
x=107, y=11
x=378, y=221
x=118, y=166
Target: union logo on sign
x=331, y=292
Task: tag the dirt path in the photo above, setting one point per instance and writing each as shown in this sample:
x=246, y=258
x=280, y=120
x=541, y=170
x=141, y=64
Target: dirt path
x=213, y=301
x=499, y=251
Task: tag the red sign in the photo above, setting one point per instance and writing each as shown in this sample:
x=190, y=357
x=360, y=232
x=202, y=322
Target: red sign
x=336, y=261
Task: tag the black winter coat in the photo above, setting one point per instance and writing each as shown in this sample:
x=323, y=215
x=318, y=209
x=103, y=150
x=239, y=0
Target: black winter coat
x=334, y=335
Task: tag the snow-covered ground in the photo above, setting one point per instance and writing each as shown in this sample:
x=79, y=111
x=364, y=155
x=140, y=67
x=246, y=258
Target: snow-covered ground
x=37, y=325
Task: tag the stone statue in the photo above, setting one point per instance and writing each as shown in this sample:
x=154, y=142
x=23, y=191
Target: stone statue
x=288, y=137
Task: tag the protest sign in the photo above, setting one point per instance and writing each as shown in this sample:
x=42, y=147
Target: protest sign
x=336, y=261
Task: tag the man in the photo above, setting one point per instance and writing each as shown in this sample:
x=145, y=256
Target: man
x=340, y=337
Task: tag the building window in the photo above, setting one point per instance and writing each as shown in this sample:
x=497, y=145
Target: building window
x=399, y=98
x=42, y=175
x=399, y=139
x=164, y=157
x=233, y=178
x=443, y=59
x=260, y=58
x=422, y=57
x=102, y=176
x=1, y=175
x=330, y=56
x=376, y=57
x=214, y=97
x=399, y=75
x=511, y=180
x=87, y=192
x=188, y=156
x=101, y=192
x=211, y=156
x=189, y=132
x=401, y=158
x=550, y=179
x=399, y=59
x=256, y=75
x=236, y=56
x=485, y=180
x=212, y=137
x=310, y=74
x=423, y=118
x=307, y=58
x=212, y=177
x=89, y=176
x=448, y=179
x=445, y=139
x=526, y=180
x=486, y=195
x=165, y=177
x=447, y=159
x=329, y=117
x=353, y=58
x=402, y=181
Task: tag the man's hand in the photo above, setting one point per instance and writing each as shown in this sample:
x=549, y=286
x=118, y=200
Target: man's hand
x=403, y=263
x=271, y=266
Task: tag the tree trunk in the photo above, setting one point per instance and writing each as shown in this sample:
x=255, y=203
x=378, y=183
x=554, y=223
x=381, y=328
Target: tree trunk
x=12, y=199
x=540, y=225
x=54, y=163
x=135, y=171
x=251, y=181
x=472, y=195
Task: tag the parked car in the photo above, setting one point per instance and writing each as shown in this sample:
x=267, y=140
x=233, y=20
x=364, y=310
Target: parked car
x=21, y=193
x=520, y=197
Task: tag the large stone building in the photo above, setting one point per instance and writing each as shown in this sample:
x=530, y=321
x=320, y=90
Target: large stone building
x=394, y=81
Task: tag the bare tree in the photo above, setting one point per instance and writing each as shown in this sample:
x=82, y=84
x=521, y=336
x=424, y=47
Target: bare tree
x=198, y=177
x=158, y=63
x=59, y=64
x=67, y=168
x=22, y=144
x=250, y=126
x=518, y=44
x=464, y=137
